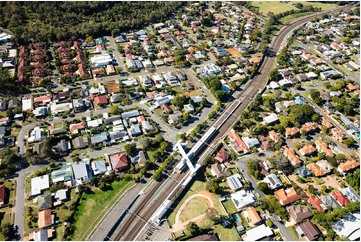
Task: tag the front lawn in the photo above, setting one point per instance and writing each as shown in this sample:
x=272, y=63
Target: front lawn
x=93, y=206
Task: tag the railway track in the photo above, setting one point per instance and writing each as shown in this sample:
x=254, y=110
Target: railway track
x=138, y=218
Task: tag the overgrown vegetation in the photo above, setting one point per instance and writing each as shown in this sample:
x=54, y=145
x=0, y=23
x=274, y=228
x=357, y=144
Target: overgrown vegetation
x=54, y=21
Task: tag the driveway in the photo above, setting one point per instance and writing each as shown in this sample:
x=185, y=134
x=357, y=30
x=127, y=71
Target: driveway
x=20, y=197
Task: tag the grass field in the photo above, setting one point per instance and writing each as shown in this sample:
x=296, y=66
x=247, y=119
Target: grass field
x=194, y=208
x=93, y=206
x=274, y=7
x=294, y=16
x=194, y=189
x=324, y=6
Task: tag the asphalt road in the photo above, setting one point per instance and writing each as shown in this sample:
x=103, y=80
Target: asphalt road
x=20, y=198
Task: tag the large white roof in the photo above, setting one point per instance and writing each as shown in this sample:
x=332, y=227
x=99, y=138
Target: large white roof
x=258, y=233
x=39, y=184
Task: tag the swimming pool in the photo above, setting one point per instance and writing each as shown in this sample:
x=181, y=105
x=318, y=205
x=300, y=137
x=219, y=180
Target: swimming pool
x=236, y=218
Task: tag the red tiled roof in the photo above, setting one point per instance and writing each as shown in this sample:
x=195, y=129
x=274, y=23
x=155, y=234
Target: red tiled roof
x=2, y=193
x=348, y=165
x=340, y=198
x=222, y=156
x=45, y=98
x=119, y=161
x=101, y=100
x=238, y=144
x=316, y=202
x=287, y=196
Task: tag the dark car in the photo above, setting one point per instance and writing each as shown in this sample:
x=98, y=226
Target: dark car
x=64, y=117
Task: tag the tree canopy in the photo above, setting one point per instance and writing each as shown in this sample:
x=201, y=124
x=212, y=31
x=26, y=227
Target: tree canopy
x=65, y=20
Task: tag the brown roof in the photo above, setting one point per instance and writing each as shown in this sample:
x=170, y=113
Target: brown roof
x=307, y=150
x=2, y=193
x=222, y=156
x=299, y=213
x=101, y=100
x=317, y=171
x=309, y=230
x=287, y=196
x=220, y=170
x=348, y=165
x=165, y=108
x=291, y=132
x=252, y=216
x=308, y=127
x=276, y=137
x=45, y=218
x=326, y=122
x=74, y=128
x=291, y=155
x=321, y=146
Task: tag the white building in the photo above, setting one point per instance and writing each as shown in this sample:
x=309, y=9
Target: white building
x=271, y=118
x=27, y=104
x=101, y=60
x=242, y=199
x=234, y=182
x=273, y=181
x=349, y=227
x=36, y=134
x=258, y=233
x=39, y=184
x=250, y=142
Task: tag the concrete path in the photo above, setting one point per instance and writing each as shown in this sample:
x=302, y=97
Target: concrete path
x=178, y=225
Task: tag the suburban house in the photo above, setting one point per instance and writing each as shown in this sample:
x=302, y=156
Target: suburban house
x=316, y=203
x=287, y=196
x=348, y=227
x=99, y=167
x=273, y=181
x=340, y=198
x=81, y=142
x=291, y=155
x=219, y=170
x=119, y=162
x=308, y=230
x=222, y=156
x=2, y=194
x=252, y=216
x=348, y=166
x=250, y=142
x=45, y=201
x=329, y=200
x=275, y=137
x=235, y=182
x=299, y=213
x=291, y=132
x=101, y=100
x=307, y=150
x=350, y=194
x=242, y=199
x=64, y=174
x=303, y=172
x=81, y=172
x=39, y=184
x=258, y=233
x=322, y=147
x=46, y=219
x=236, y=142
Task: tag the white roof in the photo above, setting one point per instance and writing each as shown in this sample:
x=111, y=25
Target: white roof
x=273, y=181
x=94, y=123
x=250, y=142
x=258, y=233
x=39, y=184
x=274, y=85
x=270, y=118
x=349, y=226
x=234, y=182
x=242, y=199
x=61, y=194
x=27, y=104
x=61, y=107
x=284, y=82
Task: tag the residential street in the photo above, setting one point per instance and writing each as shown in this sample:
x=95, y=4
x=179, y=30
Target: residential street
x=20, y=197
x=243, y=167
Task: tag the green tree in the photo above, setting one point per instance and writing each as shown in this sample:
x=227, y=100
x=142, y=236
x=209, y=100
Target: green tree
x=212, y=185
x=349, y=142
x=130, y=149
x=263, y=187
x=193, y=228
x=114, y=110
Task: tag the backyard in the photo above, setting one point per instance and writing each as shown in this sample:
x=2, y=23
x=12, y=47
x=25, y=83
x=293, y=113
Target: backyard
x=94, y=205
